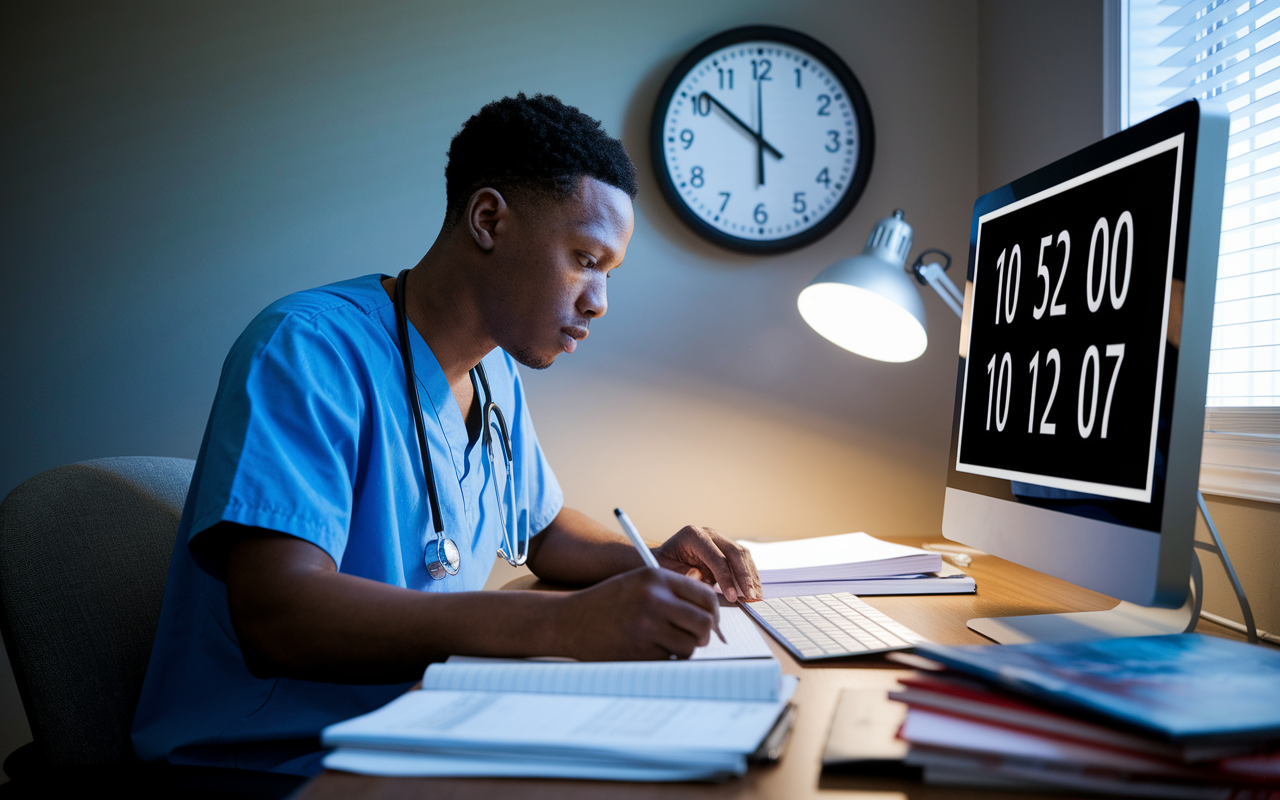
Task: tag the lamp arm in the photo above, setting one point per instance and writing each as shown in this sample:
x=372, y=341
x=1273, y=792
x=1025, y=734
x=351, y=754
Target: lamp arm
x=951, y=295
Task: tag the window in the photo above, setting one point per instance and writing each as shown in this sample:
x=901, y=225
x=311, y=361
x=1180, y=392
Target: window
x=1161, y=53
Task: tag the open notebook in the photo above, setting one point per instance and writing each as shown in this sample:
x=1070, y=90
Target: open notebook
x=636, y=720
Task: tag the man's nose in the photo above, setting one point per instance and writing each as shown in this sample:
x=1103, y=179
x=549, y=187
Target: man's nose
x=593, y=301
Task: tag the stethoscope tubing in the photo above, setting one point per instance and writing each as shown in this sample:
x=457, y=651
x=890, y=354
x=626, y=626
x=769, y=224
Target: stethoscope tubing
x=448, y=557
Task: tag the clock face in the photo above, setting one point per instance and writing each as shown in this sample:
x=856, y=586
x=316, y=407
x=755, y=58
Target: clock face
x=762, y=139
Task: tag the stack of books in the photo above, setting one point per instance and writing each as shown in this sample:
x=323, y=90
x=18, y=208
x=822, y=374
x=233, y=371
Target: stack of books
x=852, y=562
x=1182, y=716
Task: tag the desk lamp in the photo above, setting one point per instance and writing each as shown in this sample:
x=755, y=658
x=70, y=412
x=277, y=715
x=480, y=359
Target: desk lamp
x=867, y=305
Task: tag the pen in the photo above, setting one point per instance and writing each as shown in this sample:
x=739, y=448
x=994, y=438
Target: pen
x=645, y=553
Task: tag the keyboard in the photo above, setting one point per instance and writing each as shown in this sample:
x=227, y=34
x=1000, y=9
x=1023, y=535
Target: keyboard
x=831, y=626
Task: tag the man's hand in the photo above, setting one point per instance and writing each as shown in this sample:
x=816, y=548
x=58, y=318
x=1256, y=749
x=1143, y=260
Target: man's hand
x=642, y=614
x=703, y=554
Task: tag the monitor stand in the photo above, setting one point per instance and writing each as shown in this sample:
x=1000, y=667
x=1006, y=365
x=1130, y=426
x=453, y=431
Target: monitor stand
x=1126, y=619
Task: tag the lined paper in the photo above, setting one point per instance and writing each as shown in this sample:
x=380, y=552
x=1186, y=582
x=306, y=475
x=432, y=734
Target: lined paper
x=740, y=679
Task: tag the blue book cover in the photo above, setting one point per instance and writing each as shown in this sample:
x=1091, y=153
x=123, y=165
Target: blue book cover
x=1180, y=687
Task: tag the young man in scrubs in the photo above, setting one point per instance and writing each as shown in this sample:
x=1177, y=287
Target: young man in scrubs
x=298, y=593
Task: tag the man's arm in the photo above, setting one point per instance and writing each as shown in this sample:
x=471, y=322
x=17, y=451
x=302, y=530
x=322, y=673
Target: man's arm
x=296, y=616
x=576, y=549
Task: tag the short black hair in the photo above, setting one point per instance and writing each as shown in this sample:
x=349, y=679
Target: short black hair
x=537, y=145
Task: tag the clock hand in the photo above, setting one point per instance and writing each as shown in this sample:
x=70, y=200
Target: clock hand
x=743, y=125
x=759, y=132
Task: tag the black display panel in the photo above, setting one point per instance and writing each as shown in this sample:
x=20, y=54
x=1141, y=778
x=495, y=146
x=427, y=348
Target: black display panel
x=1068, y=344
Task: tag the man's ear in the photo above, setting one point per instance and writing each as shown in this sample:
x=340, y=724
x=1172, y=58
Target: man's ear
x=486, y=216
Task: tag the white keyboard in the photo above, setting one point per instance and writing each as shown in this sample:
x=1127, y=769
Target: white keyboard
x=831, y=626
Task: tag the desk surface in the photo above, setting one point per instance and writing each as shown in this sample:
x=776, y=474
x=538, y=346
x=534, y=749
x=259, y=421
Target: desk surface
x=1004, y=589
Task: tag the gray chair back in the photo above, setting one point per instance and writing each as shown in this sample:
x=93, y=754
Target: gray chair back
x=84, y=550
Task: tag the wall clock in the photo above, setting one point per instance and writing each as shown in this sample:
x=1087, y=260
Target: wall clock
x=762, y=139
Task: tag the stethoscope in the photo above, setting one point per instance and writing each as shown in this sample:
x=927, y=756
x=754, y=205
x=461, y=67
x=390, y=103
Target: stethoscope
x=447, y=556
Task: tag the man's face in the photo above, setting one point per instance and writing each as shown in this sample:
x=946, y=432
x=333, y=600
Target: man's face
x=548, y=278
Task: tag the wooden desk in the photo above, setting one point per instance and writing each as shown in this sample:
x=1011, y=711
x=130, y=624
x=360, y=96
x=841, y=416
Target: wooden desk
x=1004, y=589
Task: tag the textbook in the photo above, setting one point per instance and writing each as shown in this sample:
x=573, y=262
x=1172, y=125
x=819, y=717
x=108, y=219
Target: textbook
x=635, y=720
x=960, y=731
x=847, y=556
x=1187, y=688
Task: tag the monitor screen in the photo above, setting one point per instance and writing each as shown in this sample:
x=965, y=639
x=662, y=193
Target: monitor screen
x=1077, y=325
x=1072, y=287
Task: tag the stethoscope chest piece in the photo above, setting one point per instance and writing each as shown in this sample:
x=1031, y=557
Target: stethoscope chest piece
x=446, y=561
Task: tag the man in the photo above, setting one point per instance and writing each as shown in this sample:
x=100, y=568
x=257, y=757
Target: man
x=299, y=592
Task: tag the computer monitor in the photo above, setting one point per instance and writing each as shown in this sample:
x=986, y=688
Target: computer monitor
x=1084, y=353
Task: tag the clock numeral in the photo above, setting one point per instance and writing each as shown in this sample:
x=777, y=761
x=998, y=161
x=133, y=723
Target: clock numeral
x=686, y=136
x=702, y=104
x=823, y=178
x=797, y=203
x=759, y=215
x=760, y=69
x=797, y=77
x=824, y=109
x=833, y=145
x=722, y=74
x=695, y=177
x=725, y=195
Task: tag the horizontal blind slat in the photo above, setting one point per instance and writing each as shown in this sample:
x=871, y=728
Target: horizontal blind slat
x=1193, y=65
x=1253, y=109
x=1188, y=77
x=1207, y=88
x=1223, y=16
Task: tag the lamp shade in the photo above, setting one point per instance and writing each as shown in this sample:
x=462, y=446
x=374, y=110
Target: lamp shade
x=867, y=304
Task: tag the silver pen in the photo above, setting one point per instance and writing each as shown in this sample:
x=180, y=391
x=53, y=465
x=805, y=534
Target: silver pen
x=646, y=554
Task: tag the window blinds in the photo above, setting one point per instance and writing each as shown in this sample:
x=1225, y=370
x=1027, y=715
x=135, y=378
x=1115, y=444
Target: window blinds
x=1227, y=51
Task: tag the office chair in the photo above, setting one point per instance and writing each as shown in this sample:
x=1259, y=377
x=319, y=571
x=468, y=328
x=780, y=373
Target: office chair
x=84, y=552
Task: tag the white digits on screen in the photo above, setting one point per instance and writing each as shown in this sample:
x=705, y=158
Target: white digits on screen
x=1010, y=283
x=1109, y=267
x=1090, y=369
x=1125, y=222
x=998, y=387
x=1054, y=358
x=1055, y=308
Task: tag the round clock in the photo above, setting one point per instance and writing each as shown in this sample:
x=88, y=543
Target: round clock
x=762, y=139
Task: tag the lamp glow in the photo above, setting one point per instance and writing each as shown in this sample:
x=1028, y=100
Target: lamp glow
x=862, y=321
x=867, y=304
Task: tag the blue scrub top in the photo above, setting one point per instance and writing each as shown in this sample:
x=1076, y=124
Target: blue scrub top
x=311, y=434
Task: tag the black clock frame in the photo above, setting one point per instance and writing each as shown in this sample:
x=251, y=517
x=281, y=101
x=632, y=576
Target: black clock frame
x=861, y=110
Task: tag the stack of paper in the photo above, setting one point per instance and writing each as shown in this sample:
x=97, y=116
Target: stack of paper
x=638, y=720
x=1186, y=716
x=852, y=562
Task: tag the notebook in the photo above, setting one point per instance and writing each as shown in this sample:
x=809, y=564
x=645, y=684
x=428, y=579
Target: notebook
x=638, y=720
